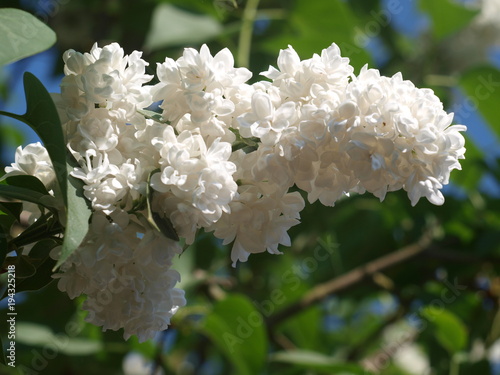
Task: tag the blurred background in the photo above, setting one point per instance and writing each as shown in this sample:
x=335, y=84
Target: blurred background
x=362, y=289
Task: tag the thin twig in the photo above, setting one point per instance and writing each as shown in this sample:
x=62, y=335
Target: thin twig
x=351, y=278
x=245, y=40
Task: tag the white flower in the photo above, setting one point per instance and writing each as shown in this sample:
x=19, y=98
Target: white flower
x=126, y=276
x=106, y=78
x=319, y=127
x=169, y=90
x=265, y=121
x=201, y=71
x=210, y=130
x=33, y=160
x=303, y=81
x=97, y=131
x=199, y=177
x=258, y=220
x=401, y=137
x=198, y=84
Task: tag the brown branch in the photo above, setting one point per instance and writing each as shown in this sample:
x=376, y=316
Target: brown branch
x=351, y=278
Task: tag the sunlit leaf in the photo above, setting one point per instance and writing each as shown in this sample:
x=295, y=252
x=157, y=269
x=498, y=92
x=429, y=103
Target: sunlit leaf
x=447, y=16
x=153, y=116
x=305, y=328
x=316, y=361
x=22, y=35
x=78, y=214
x=482, y=86
x=174, y=26
x=449, y=330
x=315, y=25
x=237, y=328
x=42, y=336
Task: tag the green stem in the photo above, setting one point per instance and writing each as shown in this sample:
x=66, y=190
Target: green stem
x=454, y=366
x=245, y=41
x=13, y=115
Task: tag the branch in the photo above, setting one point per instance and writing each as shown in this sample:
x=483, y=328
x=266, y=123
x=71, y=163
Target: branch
x=351, y=278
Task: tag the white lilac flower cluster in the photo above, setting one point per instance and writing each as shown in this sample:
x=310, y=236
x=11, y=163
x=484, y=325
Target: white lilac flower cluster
x=223, y=157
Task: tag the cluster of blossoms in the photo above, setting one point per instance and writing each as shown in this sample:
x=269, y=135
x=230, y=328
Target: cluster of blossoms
x=222, y=155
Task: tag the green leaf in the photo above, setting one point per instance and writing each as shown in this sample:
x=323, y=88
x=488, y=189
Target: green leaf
x=12, y=136
x=38, y=335
x=22, y=35
x=316, y=361
x=3, y=247
x=41, y=115
x=28, y=195
x=237, y=328
x=41, y=278
x=27, y=182
x=304, y=328
x=315, y=25
x=447, y=16
x=13, y=209
x=153, y=116
x=472, y=167
x=450, y=331
x=147, y=348
x=34, y=271
x=9, y=214
x=24, y=267
x=45, y=226
x=183, y=28
x=77, y=224
x=41, y=249
x=482, y=86
x=3, y=360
